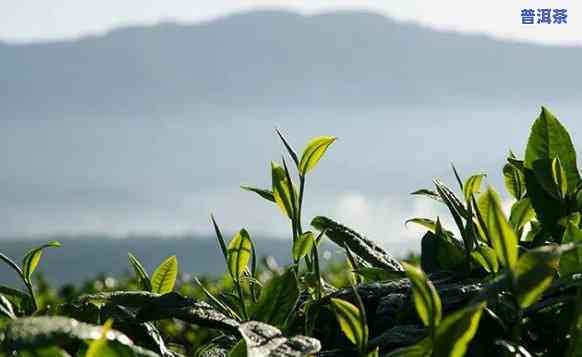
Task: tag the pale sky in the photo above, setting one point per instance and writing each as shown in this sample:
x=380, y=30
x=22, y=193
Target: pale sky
x=41, y=20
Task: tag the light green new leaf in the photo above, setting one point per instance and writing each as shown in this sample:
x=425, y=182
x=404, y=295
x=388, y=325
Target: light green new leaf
x=571, y=262
x=487, y=258
x=303, y=245
x=282, y=189
x=420, y=349
x=349, y=319
x=140, y=272
x=502, y=236
x=456, y=331
x=97, y=347
x=426, y=298
x=239, y=254
x=472, y=185
x=535, y=272
x=164, y=277
x=559, y=177
x=32, y=258
x=514, y=180
x=313, y=153
x=521, y=214
x=548, y=140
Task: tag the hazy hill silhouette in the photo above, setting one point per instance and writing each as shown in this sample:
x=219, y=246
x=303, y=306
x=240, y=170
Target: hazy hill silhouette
x=277, y=59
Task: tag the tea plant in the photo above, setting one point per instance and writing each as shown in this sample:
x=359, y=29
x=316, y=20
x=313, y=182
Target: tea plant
x=495, y=284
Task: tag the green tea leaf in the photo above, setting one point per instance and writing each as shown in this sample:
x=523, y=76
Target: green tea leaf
x=45, y=352
x=549, y=139
x=571, y=262
x=456, y=331
x=164, y=277
x=289, y=148
x=303, y=245
x=6, y=307
x=239, y=254
x=514, y=181
x=349, y=319
x=472, y=185
x=522, y=213
x=175, y=306
x=535, y=272
x=220, y=239
x=313, y=153
x=428, y=223
x=282, y=188
x=277, y=300
x=575, y=344
x=140, y=272
x=266, y=194
x=502, y=236
x=426, y=299
x=487, y=258
x=427, y=193
x=420, y=349
x=441, y=253
x=34, y=332
x=559, y=177
x=32, y=258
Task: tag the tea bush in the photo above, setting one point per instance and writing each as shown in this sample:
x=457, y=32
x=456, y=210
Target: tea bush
x=495, y=284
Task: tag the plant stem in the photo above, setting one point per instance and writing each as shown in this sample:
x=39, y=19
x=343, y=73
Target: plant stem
x=241, y=300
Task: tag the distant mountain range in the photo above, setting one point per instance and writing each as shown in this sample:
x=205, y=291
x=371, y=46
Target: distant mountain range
x=83, y=258
x=275, y=59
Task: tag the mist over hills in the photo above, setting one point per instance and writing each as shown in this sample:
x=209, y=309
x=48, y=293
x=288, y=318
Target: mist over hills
x=276, y=59
x=146, y=130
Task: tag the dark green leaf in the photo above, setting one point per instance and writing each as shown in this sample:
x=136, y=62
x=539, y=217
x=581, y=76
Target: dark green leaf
x=266, y=194
x=173, y=305
x=571, y=262
x=278, y=300
x=219, y=238
x=140, y=272
x=289, y=148
x=358, y=244
x=549, y=139
x=35, y=332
